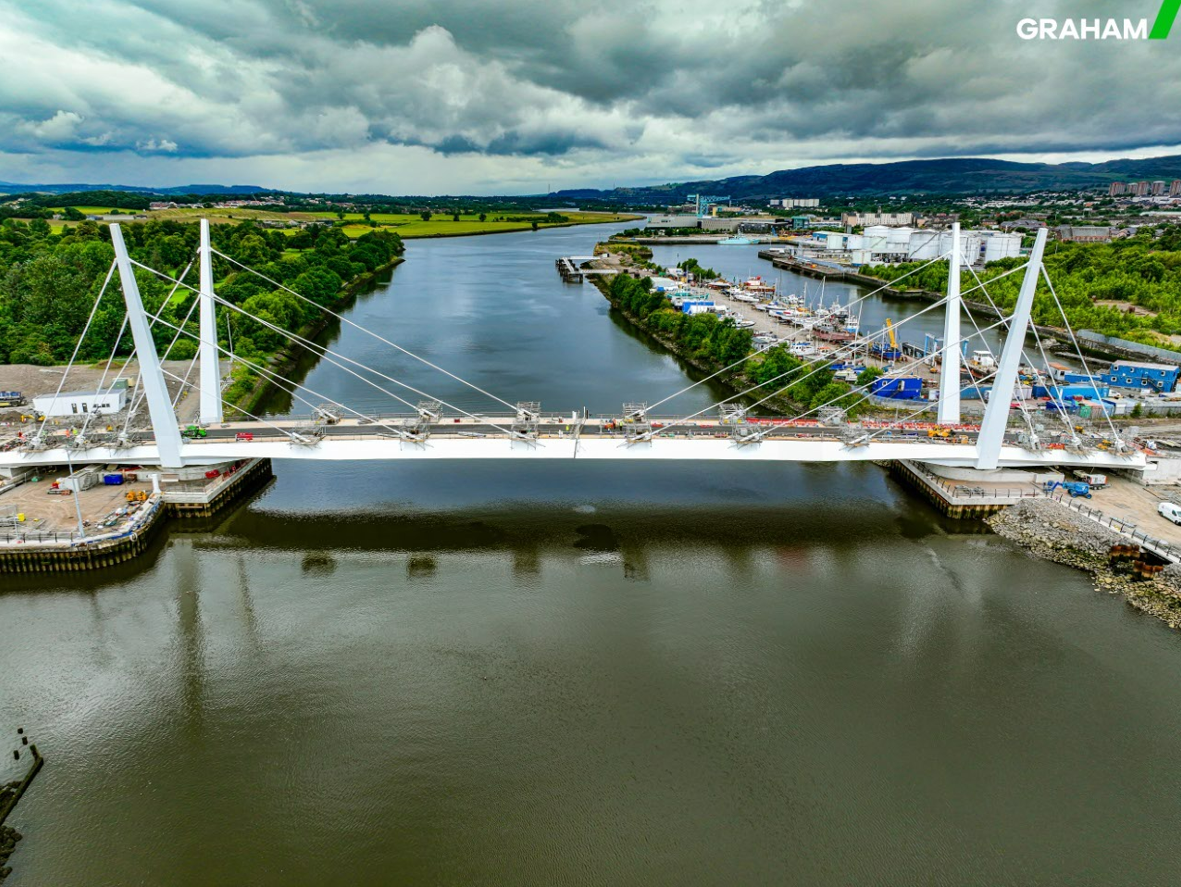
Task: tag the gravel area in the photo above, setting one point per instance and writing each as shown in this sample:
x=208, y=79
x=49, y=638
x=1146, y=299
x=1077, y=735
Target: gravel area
x=35, y=380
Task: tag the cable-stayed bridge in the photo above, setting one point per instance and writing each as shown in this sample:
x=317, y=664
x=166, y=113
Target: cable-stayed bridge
x=428, y=427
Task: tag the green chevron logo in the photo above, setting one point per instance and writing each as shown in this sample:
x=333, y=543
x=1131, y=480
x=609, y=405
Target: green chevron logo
x=1164, y=20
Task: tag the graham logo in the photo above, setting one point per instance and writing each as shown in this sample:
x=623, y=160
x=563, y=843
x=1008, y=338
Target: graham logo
x=1101, y=29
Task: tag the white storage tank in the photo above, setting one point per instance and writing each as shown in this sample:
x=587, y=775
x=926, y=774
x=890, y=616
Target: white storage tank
x=998, y=245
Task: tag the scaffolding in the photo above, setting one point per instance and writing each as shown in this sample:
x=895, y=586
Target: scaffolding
x=528, y=418
x=636, y=424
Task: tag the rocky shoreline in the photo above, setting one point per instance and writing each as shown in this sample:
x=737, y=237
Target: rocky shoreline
x=1052, y=532
x=8, y=836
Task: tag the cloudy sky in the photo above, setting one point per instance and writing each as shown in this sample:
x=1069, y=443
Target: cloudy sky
x=514, y=96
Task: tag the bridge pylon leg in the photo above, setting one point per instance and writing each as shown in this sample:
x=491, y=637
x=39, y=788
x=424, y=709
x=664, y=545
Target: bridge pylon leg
x=996, y=414
x=164, y=425
x=949, y=372
x=211, y=409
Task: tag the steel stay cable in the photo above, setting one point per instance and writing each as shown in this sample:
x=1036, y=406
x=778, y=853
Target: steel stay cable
x=861, y=388
x=825, y=362
x=279, y=379
x=77, y=346
x=1077, y=349
x=288, y=434
x=1041, y=349
x=769, y=347
x=324, y=351
x=368, y=332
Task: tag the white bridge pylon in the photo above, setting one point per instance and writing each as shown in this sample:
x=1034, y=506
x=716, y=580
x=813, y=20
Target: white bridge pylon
x=494, y=437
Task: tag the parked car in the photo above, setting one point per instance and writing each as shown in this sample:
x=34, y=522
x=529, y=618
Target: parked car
x=1169, y=511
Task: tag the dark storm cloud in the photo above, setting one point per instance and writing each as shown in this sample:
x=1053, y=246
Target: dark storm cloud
x=632, y=86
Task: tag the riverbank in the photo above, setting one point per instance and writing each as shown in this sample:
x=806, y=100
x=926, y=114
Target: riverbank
x=287, y=358
x=733, y=380
x=1050, y=531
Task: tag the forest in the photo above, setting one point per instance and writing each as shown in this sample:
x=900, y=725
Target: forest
x=1097, y=284
x=49, y=283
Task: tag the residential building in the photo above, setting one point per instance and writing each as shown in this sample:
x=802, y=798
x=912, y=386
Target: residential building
x=1116, y=188
x=1175, y=188
x=1084, y=233
x=1158, y=188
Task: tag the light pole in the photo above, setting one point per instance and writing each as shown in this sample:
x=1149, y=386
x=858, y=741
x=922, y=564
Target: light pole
x=76, y=492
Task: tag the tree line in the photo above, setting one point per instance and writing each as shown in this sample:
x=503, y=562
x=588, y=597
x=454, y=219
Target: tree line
x=49, y=283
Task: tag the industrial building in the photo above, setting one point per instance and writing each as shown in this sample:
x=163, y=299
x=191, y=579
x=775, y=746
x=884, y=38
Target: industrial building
x=80, y=403
x=878, y=218
x=880, y=244
x=1134, y=374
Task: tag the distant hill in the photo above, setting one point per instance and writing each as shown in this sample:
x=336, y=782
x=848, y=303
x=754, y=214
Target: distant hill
x=948, y=176
x=18, y=188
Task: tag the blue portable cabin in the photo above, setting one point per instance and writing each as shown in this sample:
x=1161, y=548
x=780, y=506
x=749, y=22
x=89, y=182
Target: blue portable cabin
x=897, y=388
x=1088, y=390
x=1136, y=374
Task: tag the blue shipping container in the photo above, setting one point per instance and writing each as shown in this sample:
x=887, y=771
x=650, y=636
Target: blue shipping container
x=112, y=480
x=907, y=388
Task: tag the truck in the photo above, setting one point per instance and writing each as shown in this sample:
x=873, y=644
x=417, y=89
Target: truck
x=11, y=399
x=1095, y=481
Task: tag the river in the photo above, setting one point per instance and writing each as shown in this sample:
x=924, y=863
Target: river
x=585, y=673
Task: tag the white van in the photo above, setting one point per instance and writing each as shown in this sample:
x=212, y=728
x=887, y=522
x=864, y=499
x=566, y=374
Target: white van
x=1169, y=511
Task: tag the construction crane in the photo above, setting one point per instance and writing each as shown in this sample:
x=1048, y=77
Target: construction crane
x=702, y=203
x=887, y=354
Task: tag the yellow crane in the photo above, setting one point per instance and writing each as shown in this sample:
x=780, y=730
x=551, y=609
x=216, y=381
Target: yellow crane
x=893, y=338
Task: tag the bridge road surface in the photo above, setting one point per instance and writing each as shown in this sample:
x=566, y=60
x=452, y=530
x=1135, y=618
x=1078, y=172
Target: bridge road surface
x=557, y=438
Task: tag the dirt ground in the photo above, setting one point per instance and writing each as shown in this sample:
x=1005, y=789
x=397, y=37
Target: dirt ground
x=32, y=381
x=49, y=513
x=1128, y=500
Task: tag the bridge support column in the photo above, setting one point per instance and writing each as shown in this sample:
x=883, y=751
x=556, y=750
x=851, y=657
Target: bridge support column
x=211, y=409
x=164, y=425
x=996, y=414
x=949, y=373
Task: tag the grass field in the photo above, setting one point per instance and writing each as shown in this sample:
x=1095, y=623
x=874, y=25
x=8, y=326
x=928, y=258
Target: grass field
x=99, y=210
x=408, y=226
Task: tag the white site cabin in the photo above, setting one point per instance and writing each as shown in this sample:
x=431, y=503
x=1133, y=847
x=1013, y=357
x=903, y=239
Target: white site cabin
x=80, y=403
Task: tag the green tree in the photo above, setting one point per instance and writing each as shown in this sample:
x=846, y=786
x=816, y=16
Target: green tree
x=425, y=215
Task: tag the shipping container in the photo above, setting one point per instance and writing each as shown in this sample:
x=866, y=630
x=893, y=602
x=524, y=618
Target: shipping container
x=904, y=388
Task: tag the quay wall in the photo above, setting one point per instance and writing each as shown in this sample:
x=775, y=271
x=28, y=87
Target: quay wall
x=116, y=549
